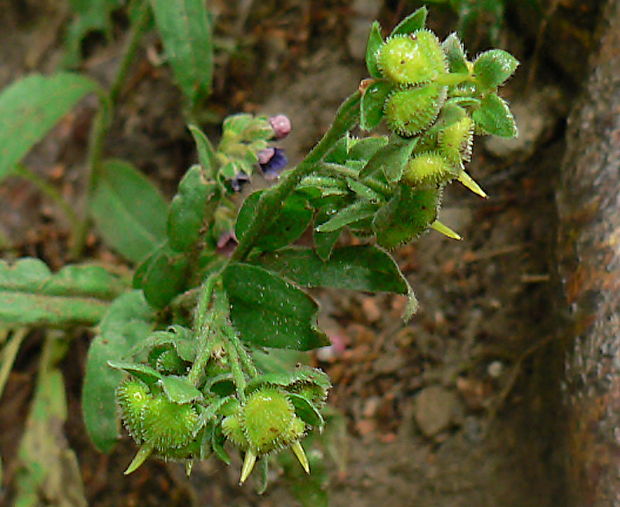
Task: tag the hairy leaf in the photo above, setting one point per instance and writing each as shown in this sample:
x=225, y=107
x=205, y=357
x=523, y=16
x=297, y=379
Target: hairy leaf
x=391, y=158
x=291, y=223
x=271, y=312
x=372, y=103
x=30, y=107
x=374, y=42
x=128, y=210
x=494, y=117
x=127, y=322
x=185, y=29
x=415, y=21
x=363, y=268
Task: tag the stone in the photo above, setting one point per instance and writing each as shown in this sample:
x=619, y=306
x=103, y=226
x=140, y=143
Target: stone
x=436, y=409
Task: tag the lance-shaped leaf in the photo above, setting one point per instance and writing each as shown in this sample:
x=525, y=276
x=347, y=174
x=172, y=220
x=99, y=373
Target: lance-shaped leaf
x=391, y=158
x=129, y=211
x=359, y=210
x=190, y=208
x=206, y=152
x=127, y=322
x=363, y=267
x=31, y=295
x=271, y=312
x=415, y=21
x=374, y=43
x=294, y=217
x=30, y=107
x=371, y=106
x=179, y=389
x=453, y=48
x=185, y=29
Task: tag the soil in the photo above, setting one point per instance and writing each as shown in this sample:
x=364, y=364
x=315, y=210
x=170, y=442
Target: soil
x=453, y=408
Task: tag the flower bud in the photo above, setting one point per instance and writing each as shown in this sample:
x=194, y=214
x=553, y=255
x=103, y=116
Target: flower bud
x=281, y=126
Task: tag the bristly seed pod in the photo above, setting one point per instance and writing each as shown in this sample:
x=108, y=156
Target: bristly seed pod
x=412, y=59
x=428, y=168
x=133, y=397
x=456, y=140
x=169, y=425
x=411, y=111
x=267, y=417
x=232, y=427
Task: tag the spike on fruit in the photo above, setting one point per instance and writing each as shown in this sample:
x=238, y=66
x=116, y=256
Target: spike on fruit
x=445, y=230
x=469, y=183
x=141, y=456
x=298, y=450
x=248, y=466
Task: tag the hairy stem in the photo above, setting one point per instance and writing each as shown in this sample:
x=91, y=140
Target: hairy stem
x=270, y=202
x=103, y=119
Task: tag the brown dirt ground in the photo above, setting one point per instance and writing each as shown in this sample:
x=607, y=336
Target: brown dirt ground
x=473, y=354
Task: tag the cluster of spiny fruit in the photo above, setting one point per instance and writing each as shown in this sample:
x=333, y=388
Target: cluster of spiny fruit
x=438, y=99
x=170, y=417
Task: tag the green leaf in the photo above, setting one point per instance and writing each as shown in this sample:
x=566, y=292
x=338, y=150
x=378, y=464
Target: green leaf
x=373, y=100
x=30, y=107
x=345, y=216
x=415, y=21
x=306, y=410
x=269, y=311
x=128, y=210
x=180, y=390
x=494, y=67
x=90, y=16
x=408, y=214
x=364, y=149
x=293, y=220
x=178, y=337
x=494, y=117
x=48, y=471
x=391, y=159
x=190, y=208
x=144, y=372
x=293, y=375
x=162, y=276
x=185, y=29
x=363, y=268
x=30, y=295
x=453, y=48
x=128, y=321
x=375, y=40
x=206, y=153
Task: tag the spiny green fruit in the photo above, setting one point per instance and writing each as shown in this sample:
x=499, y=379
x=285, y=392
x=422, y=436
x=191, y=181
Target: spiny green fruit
x=409, y=213
x=133, y=397
x=169, y=425
x=232, y=427
x=411, y=111
x=428, y=168
x=456, y=140
x=412, y=59
x=170, y=362
x=267, y=416
x=294, y=432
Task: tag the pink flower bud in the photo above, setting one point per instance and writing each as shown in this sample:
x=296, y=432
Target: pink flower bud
x=281, y=126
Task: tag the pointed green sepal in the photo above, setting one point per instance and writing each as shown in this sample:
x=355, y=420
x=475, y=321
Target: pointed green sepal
x=469, y=183
x=248, y=465
x=141, y=456
x=298, y=450
x=445, y=230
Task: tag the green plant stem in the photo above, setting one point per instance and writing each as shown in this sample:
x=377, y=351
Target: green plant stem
x=103, y=120
x=9, y=352
x=235, y=368
x=270, y=202
x=203, y=326
x=44, y=187
x=246, y=359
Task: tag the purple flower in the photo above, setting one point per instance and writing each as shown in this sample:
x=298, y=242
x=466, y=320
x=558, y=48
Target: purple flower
x=239, y=180
x=274, y=161
x=281, y=126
